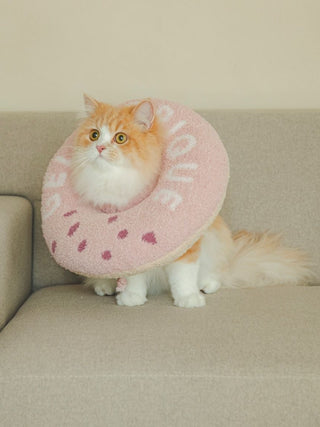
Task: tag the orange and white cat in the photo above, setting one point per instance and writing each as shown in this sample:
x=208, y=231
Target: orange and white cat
x=117, y=156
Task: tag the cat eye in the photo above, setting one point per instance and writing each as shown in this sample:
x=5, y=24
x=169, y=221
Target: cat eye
x=120, y=138
x=94, y=135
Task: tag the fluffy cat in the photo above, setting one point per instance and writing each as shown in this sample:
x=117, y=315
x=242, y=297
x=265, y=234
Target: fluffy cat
x=117, y=158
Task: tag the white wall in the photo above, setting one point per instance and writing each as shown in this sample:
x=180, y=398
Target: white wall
x=203, y=53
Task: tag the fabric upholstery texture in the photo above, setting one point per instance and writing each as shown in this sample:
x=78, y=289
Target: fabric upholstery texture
x=15, y=254
x=250, y=357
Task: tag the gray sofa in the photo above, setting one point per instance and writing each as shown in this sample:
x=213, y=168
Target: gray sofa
x=251, y=357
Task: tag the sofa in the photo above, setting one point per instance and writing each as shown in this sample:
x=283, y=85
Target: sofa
x=250, y=357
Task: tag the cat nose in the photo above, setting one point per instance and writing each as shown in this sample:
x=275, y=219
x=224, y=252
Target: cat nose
x=100, y=148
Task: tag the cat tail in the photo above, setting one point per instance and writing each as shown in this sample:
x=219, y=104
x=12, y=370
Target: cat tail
x=259, y=259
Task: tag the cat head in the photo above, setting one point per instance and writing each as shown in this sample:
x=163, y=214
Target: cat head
x=117, y=143
x=121, y=135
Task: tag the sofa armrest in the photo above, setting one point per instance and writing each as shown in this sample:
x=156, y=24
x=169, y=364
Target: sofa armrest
x=15, y=254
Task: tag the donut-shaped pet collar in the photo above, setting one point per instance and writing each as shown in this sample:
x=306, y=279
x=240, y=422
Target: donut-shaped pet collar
x=158, y=229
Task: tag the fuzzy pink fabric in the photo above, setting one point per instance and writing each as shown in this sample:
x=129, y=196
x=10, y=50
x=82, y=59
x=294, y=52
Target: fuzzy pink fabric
x=155, y=230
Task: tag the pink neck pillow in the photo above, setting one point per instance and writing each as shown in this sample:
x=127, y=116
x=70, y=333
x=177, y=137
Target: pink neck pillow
x=158, y=228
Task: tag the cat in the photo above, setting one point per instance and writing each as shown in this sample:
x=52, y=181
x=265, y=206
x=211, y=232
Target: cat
x=117, y=156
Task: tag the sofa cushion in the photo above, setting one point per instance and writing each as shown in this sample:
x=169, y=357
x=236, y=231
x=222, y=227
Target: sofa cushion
x=250, y=357
x=15, y=254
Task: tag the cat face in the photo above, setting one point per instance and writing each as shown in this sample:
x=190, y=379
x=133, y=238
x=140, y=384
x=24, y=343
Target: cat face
x=126, y=135
x=119, y=145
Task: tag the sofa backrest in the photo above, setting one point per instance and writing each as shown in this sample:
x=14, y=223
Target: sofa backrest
x=274, y=184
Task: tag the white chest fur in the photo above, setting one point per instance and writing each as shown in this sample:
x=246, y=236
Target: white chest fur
x=114, y=185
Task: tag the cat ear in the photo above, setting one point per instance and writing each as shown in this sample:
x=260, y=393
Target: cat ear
x=90, y=103
x=144, y=114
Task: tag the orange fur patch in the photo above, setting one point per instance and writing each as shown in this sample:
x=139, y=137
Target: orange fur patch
x=192, y=254
x=218, y=224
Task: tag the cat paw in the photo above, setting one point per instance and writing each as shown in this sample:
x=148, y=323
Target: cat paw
x=105, y=288
x=190, y=301
x=209, y=286
x=130, y=299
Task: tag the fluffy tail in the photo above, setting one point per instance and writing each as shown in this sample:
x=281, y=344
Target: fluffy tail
x=260, y=259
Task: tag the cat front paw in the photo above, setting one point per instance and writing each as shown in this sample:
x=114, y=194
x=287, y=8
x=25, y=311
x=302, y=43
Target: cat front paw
x=130, y=299
x=190, y=301
x=107, y=287
x=210, y=285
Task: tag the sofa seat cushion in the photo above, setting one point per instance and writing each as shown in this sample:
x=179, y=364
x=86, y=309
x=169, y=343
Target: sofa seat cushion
x=70, y=358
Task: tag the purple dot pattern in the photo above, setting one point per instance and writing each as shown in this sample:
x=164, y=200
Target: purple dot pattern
x=149, y=238
x=82, y=246
x=122, y=234
x=106, y=255
x=73, y=229
x=112, y=218
x=70, y=213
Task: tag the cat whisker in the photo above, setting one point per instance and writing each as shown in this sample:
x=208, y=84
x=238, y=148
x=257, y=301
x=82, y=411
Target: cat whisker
x=76, y=165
